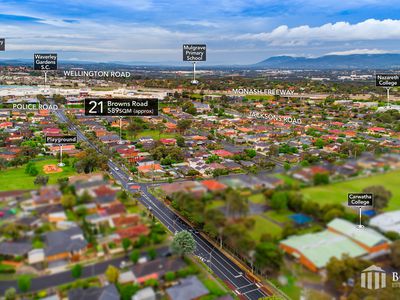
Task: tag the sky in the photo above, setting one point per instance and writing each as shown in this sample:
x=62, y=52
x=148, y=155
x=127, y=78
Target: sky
x=235, y=31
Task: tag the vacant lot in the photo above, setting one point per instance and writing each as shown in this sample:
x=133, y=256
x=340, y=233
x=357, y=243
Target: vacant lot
x=264, y=226
x=155, y=134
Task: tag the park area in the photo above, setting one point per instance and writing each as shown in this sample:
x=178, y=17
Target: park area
x=337, y=192
x=17, y=179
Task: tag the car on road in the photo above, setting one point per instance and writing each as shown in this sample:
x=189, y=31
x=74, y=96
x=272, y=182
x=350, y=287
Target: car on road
x=116, y=169
x=130, y=178
x=167, y=253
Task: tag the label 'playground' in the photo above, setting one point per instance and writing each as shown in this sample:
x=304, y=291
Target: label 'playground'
x=62, y=139
x=121, y=107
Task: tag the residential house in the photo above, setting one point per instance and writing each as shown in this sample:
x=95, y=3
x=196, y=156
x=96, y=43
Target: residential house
x=64, y=244
x=108, y=292
x=189, y=288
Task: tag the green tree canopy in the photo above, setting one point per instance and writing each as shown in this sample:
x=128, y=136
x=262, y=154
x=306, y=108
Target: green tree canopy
x=183, y=243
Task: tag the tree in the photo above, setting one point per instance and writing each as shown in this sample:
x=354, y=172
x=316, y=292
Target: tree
x=112, y=274
x=341, y=270
x=76, y=271
x=250, y=152
x=85, y=198
x=31, y=169
x=126, y=244
x=169, y=276
x=134, y=128
x=286, y=166
x=279, y=201
x=3, y=164
x=152, y=253
x=90, y=161
x=235, y=203
x=268, y=257
x=12, y=230
x=68, y=201
x=183, y=243
x=24, y=283
x=395, y=254
x=184, y=125
x=180, y=141
x=126, y=291
x=319, y=143
x=134, y=256
x=321, y=178
x=381, y=195
x=41, y=180
x=10, y=294
x=332, y=214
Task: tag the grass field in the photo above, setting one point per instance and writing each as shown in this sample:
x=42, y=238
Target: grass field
x=16, y=179
x=281, y=217
x=290, y=289
x=257, y=199
x=215, y=204
x=259, y=97
x=155, y=134
x=264, y=226
x=337, y=192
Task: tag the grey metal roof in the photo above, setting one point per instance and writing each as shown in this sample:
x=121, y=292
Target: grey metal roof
x=15, y=248
x=108, y=292
x=189, y=288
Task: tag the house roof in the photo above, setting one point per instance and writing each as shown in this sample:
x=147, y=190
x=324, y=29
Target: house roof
x=367, y=236
x=320, y=247
x=213, y=185
x=389, y=221
x=64, y=241
x=108, y=292
x=222, y=153
x=133, y=231
x=146, y=293
x=189, y=288
x=15, y=248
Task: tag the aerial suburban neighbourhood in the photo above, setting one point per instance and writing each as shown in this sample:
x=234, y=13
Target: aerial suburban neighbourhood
x=127, y=173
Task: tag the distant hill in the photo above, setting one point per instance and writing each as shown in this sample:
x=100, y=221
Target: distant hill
x=354, y=61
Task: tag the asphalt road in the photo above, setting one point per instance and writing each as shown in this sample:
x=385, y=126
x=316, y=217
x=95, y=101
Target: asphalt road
x=218, y=262
x=49, y=281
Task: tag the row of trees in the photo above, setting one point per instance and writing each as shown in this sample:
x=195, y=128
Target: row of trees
x=233, y=232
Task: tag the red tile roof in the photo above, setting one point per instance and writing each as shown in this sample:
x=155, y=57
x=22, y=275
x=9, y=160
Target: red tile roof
x=213, y=185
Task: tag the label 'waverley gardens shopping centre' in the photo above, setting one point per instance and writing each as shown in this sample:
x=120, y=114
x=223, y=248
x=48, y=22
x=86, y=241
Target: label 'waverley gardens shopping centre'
x=45, y=62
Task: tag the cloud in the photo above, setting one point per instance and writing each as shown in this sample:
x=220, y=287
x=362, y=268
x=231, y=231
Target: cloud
x=198, y=23
x=361, y=51
x=368, y=30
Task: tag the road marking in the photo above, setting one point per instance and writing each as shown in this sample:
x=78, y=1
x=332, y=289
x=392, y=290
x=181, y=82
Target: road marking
x=251, y=291
x=242, y=287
